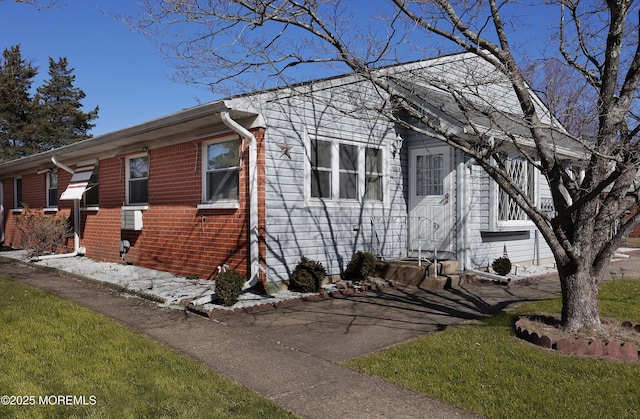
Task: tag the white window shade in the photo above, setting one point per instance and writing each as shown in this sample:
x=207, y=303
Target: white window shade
x=79, y=180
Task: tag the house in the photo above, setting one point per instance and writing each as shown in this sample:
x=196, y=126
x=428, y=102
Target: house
x=256, y=181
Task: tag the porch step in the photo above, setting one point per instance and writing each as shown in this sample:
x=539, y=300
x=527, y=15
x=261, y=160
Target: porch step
x=407, y=272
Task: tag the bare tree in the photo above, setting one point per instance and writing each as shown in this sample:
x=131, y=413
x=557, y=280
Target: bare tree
x=230, y=44
x=40, y=3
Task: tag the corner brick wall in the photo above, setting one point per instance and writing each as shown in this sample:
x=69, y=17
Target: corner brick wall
x=176, y=236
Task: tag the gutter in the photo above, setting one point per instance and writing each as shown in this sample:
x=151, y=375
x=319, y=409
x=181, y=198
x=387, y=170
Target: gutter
x=76, y=222
x=253, y=195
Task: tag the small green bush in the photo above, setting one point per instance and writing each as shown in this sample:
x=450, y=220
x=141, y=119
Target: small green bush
x=501, y=266
x=308, y=276
x=361, y=265
x=229, y=286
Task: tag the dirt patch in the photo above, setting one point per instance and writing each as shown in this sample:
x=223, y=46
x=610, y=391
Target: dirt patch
x=613, y=340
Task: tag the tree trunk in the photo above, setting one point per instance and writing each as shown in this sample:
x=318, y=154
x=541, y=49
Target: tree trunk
x=579, y=298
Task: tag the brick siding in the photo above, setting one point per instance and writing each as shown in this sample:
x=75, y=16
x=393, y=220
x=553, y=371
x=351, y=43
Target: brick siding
x=176, y=236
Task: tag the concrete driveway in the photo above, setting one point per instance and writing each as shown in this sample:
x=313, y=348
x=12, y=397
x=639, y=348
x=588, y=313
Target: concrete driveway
x=339, y=329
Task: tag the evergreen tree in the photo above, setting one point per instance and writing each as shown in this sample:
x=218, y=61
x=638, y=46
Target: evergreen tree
x=60, y=120
x=16, y=103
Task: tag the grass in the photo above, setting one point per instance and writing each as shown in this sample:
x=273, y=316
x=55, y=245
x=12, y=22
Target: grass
x=483, y=368
x=51, y=347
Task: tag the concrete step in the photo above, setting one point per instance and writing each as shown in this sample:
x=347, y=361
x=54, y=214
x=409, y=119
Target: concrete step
x=407, y=272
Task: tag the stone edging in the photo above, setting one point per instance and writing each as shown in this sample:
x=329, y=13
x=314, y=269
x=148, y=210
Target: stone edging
x=217, y=313
x=626, y=351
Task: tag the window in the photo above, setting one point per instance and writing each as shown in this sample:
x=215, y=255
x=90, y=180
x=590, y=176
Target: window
x=222, y=172
x=138, y=180
x=17, y=192
x=524, y=175
x=91, y=195
x=348, y=171
x=429, y=174
x=321, y=169
x=345, y=171
x=373, y=173
x=52, y=189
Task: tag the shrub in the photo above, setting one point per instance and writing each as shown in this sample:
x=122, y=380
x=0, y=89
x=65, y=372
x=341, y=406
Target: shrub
x=229, y=286
x=307, y=276
x=501, y=266
x=41, y=234
x=361, y=265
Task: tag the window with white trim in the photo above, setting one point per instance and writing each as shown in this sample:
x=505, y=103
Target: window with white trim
x=321, y=171
x=137, y=179
x=348, y=171
x=373, y=183
x=524, y=175
x=345, y=171
x=90, y=198
x=52, y=189
x=17, y=192
x=221, y=172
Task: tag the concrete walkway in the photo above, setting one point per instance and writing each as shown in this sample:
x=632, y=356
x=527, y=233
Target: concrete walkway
x=290, y=355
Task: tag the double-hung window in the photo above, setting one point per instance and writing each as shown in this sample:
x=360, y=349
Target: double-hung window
x=321, y=171
x=221, y=182
x=348, y=171
x=345, y=171
x=138, y=179
x=52, y=189
x=91, y=195
x=373, y=174
x=17, y=192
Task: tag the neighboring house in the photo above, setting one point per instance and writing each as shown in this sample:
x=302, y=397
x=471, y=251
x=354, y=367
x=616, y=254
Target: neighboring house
x=259, y=180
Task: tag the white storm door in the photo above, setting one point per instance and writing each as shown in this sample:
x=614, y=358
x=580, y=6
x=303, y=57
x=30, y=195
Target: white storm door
x=430, y=199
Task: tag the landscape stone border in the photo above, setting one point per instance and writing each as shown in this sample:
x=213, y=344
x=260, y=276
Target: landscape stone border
x=341, y=292
x=625, y=351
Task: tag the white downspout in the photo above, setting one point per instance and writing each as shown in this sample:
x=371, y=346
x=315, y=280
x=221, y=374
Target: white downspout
x=76, y=222
x=464, y=206
x=253, y=195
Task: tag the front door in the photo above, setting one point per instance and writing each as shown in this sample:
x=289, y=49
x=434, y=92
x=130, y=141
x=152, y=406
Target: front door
x=430, y=200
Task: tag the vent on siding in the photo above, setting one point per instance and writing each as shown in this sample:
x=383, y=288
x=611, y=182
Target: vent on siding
x=131, y=220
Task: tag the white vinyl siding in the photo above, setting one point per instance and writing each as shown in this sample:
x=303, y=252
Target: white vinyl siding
x=304, y=212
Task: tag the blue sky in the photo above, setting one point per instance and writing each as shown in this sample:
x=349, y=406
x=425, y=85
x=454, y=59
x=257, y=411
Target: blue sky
x=118, y=70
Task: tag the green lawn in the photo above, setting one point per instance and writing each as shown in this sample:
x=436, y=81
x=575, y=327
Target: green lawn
x=483, y=368
x=50, y=347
